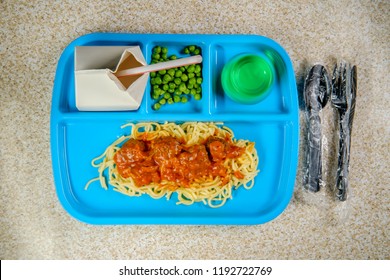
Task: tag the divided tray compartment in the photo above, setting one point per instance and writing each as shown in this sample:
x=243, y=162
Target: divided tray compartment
x=175, y=47
x=78, y=137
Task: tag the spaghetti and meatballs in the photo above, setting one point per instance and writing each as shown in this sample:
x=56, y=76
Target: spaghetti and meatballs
x=198, y=161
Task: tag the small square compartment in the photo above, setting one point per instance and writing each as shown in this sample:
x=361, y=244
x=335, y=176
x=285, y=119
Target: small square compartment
x=67, y=97
x=221, y=103
x=192, y=106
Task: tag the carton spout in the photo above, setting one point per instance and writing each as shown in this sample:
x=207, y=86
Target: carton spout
x=131, y=58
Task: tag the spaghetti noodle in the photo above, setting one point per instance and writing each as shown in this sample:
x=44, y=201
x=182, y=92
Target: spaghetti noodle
x=201, y=162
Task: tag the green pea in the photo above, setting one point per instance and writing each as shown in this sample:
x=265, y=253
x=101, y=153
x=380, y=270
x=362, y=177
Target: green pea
x=156, y=56
x=186, y=91
x=197, y=51
x=177, y=81
x=186, y=51
x=182, y=87
x=191, y=48
x=192, y=91
x=191, y=75
x=199, y=80
x=172, y=85
x=162, y=72
x=158, y=80
x=157, y=49
x=173, y=57
x=156, y=106
x=176, y=98
x=197, y=68
x=184, y=99
x=184, y=77
x=165, y=87
x=191, y=68
x=190, y=86
x=192, y=81
x=198, y=74
x=167, y=95
x=182, y=68
x=155, y=96
x=164, y=56
x=171, y=72
x=197, y=96
x=153, y=81
x=153, y=74
x=167, y=78
x=164, y=50
x=178, y=73
x=171, y=90
x=162, y=101
x=170, y=101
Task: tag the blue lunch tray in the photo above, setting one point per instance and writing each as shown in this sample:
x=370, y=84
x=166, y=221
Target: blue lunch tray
x=78, y=137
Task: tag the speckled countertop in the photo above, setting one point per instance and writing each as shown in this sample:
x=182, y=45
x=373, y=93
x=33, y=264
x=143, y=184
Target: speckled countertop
x=33, y=224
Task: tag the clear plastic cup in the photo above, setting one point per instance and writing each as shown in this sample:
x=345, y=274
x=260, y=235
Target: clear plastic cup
x=247, y=78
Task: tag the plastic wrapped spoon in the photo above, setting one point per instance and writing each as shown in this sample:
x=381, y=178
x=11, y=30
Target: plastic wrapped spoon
x=316, y=94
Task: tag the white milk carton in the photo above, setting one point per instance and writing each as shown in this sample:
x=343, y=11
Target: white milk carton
x=96, y=86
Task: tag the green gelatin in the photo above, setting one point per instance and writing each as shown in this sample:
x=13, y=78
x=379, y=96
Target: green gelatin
x=247, y=79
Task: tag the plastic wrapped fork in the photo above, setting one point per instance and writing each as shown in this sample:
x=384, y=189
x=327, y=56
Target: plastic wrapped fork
x=343, y=99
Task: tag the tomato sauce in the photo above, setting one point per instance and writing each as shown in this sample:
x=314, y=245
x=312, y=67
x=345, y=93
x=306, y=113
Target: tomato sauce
x=167, y=158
